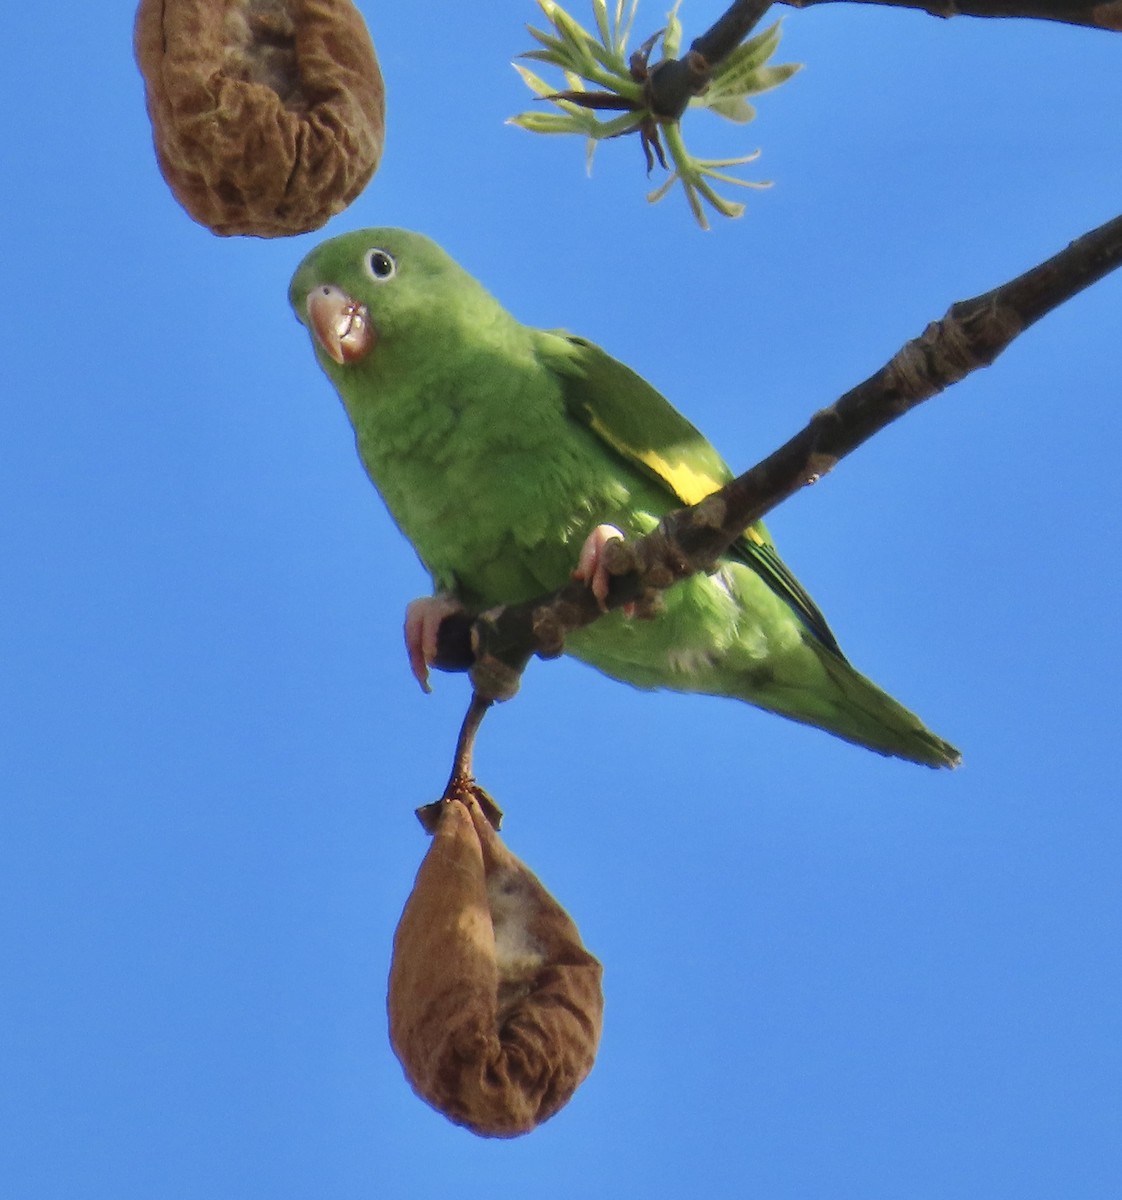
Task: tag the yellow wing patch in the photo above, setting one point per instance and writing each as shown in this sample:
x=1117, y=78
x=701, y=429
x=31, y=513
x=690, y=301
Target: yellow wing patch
x=687, y=483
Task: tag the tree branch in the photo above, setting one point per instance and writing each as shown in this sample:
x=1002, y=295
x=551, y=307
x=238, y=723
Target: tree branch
x=1106, y=14
x=971, y=335
x=673, y=82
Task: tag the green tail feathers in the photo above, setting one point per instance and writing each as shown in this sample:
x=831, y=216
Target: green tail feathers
x=856, y=710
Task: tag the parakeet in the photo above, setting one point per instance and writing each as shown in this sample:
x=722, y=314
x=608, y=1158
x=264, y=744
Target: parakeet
x=509, y=455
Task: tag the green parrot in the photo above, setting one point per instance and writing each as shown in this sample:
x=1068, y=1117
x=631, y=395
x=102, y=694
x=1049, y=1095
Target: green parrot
x=509, y=456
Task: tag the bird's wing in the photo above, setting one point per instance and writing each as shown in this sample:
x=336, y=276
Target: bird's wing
x=646, y=431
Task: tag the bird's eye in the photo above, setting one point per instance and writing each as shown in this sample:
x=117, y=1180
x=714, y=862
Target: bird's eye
x=380, y=265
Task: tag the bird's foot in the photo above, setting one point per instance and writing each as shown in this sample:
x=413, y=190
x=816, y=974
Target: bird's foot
x=590, y=568
x=422, y=623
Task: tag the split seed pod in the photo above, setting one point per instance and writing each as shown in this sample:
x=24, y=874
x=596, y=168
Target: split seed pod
x=268, y=116
x=495, y=1006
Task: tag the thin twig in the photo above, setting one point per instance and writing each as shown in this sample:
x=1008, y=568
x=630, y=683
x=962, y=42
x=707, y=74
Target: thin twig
x=1105, y=14
x=461, y=782
x=465, y=745
x=673, y=83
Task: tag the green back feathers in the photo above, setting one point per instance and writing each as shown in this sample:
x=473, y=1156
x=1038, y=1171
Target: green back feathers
x=646, y=431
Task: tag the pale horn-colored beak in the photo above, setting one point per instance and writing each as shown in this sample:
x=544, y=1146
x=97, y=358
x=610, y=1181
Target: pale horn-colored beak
x=340, y=325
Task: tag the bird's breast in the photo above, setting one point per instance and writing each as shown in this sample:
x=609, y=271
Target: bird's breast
x=495, y=489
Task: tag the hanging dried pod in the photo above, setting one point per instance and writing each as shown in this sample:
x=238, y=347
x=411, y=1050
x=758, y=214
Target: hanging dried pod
x=495, y=1006
x=268, y=116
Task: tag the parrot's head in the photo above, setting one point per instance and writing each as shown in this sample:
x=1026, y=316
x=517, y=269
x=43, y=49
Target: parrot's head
x=376, y=297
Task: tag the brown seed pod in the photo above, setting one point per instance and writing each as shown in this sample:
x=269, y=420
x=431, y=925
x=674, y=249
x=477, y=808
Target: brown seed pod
x=495, y=1006
x=268, y=115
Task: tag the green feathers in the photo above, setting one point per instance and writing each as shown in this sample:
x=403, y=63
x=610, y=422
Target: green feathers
x=498, y=448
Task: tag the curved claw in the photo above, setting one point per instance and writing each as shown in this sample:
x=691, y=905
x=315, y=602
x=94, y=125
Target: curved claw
x=422, y=624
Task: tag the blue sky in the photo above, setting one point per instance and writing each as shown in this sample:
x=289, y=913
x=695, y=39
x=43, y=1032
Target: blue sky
x=827, y=974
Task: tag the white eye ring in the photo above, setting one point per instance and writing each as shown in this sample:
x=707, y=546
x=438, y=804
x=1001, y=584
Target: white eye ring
x=380, y=265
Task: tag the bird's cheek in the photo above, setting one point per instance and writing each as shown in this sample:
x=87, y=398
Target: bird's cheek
x=340, y=324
